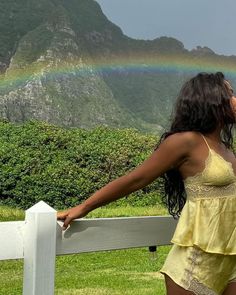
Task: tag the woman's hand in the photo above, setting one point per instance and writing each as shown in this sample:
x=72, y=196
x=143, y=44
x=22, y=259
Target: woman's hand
x=71, y=214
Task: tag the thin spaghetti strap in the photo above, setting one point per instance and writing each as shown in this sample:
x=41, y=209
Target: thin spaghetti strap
x=206, y=141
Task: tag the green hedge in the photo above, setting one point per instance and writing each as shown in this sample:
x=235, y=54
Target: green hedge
x=63, y=167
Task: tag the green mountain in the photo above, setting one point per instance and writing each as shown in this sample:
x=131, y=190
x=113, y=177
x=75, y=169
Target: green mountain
x=64, y=62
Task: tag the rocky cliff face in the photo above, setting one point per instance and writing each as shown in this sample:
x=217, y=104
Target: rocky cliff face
x=51, y=57
x=59, y=85
x=49, y=73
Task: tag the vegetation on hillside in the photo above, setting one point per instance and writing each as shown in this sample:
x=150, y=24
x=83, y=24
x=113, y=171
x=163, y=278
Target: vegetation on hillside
x=64, y=62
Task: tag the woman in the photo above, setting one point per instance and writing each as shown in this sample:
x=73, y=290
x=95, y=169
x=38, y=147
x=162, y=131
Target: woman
x=199, y=168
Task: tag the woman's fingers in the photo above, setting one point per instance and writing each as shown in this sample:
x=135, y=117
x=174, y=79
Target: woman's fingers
x=69, y=215
x=65, y=217
x=67, y=221
x=61, y=215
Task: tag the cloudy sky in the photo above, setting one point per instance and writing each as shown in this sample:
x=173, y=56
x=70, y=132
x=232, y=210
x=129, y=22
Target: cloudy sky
x=208, y=23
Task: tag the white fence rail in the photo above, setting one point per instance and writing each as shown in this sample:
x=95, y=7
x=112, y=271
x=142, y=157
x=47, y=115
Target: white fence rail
x=40, y=238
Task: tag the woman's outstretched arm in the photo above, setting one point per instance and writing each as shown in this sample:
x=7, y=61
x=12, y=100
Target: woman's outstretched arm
x=171, y=153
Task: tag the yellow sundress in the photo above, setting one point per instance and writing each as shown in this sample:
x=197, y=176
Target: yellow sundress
x=203, y=257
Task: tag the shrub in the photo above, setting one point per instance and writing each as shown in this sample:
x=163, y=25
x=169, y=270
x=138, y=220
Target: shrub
x=63, y=167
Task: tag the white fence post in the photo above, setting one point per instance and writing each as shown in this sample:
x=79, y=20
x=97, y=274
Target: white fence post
x=39, y=250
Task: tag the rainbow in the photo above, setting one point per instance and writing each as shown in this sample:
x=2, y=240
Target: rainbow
x=182, y=63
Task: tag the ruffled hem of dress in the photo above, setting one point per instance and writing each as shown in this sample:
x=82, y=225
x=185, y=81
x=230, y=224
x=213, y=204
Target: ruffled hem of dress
x=205, y=249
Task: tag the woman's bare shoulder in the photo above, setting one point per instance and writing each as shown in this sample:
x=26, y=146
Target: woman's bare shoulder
x=188, y=138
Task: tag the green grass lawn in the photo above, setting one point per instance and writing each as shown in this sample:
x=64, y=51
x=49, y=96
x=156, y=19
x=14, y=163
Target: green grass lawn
x=120, y=272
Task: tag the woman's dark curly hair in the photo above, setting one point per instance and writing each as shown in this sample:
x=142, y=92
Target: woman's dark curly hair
x=202, y=105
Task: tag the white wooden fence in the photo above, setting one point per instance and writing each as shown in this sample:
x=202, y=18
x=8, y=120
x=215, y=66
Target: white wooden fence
x=40, y=238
